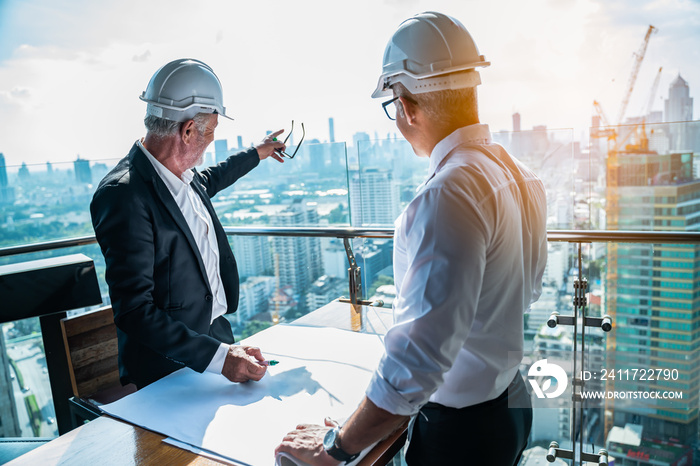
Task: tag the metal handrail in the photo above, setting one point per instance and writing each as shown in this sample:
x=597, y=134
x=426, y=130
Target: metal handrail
x=565, y=236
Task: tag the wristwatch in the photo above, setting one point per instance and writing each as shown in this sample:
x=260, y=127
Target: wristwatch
x=331, y=443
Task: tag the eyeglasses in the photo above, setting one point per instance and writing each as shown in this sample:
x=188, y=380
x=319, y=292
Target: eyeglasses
x=303, y=133
x=390, y=108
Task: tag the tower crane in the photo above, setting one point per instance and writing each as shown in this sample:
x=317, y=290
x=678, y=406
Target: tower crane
x=652, y=93
x=611, y=133
x=638, y=57
x=606, y=130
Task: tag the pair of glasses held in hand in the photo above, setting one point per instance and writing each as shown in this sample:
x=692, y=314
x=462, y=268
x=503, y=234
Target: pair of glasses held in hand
x=285, y=154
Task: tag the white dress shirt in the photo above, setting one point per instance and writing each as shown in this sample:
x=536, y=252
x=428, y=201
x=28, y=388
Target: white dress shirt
x=202, y=229
x=469, y=255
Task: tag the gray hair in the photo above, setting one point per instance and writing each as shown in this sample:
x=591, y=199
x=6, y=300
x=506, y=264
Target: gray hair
x=449, y=106
x=163, y=128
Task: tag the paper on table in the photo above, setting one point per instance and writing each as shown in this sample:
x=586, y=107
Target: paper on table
x=322, y=372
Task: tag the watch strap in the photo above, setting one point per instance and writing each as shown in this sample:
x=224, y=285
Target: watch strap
x=336, y=451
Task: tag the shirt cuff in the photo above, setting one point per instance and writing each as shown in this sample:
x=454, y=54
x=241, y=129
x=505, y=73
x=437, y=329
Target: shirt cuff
x=385, y=396
x=217, y=362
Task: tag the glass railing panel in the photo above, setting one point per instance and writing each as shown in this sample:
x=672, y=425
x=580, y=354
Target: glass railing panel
x=383, y=179
x=646, y=176
x=48, y=201
x=554, y=156
x=643, y=377
x=26, y=404
x=545, y=346
x=375, y=259
x=284, y=278
x=387, y=173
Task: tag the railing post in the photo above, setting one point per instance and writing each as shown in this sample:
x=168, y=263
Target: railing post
x=355, y=285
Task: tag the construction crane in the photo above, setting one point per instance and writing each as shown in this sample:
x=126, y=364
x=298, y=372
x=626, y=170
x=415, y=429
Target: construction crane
x=638, y=57
x=606, y=130
x=609, y=132
x=652, y=93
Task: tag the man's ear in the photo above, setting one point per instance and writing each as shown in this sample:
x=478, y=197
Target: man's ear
x=410, y=109
x=188, y=131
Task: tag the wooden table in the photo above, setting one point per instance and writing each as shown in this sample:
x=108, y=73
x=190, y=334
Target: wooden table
x=109, y=441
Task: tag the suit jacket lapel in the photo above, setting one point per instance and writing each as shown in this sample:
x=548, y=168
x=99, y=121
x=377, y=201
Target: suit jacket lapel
x=145, y=168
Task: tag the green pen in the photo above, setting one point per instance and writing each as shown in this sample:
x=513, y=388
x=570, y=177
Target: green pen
x=271, y=362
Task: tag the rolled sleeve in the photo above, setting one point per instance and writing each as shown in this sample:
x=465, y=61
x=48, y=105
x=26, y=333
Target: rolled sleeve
x=442, y=238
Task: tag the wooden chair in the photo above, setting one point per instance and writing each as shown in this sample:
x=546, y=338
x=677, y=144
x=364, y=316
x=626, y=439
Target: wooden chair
x=91, y=349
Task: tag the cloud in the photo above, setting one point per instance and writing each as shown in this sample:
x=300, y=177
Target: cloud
x=20, y=93
x=142, y=57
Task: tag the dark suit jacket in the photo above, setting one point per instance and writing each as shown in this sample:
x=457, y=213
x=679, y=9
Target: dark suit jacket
x=159, y=289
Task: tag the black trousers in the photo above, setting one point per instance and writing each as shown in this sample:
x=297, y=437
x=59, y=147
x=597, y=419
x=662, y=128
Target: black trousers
x=490, y=433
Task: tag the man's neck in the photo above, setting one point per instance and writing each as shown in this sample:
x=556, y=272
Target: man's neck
x=437, y=133
x=167, y=151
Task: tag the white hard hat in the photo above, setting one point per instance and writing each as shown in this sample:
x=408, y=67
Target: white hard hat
x=430, y=52
x=183, y=88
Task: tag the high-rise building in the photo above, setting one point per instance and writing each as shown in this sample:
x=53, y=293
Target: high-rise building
x=516, y=122
x=253, y=255
x=653, y=292
x=331, y=129
x=7, y=194
x=254, y=298
x=324, y=290
x=298, y=260
x=3, y=171
x=23, y=172
x=335, y=259
x=316, y=158
x=221, y=150
x=83, y=174
x=679, y=105
x=373, y=258
x=374, y=198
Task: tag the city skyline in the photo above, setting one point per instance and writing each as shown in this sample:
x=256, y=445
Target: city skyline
x=68, y=61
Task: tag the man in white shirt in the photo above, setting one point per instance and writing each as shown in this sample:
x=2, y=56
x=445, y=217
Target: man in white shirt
x=469, y=256
x=171, y=273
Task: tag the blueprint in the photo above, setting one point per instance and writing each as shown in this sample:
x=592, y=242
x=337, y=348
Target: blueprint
x=321, y=372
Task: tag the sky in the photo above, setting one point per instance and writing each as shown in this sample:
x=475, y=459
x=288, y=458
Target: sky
x=71, y=71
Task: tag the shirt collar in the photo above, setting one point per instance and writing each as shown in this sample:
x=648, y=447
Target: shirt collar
x=173, y=183
x=472, y=134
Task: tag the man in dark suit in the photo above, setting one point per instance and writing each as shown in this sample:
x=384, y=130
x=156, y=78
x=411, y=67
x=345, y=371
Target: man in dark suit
x=170, y=270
